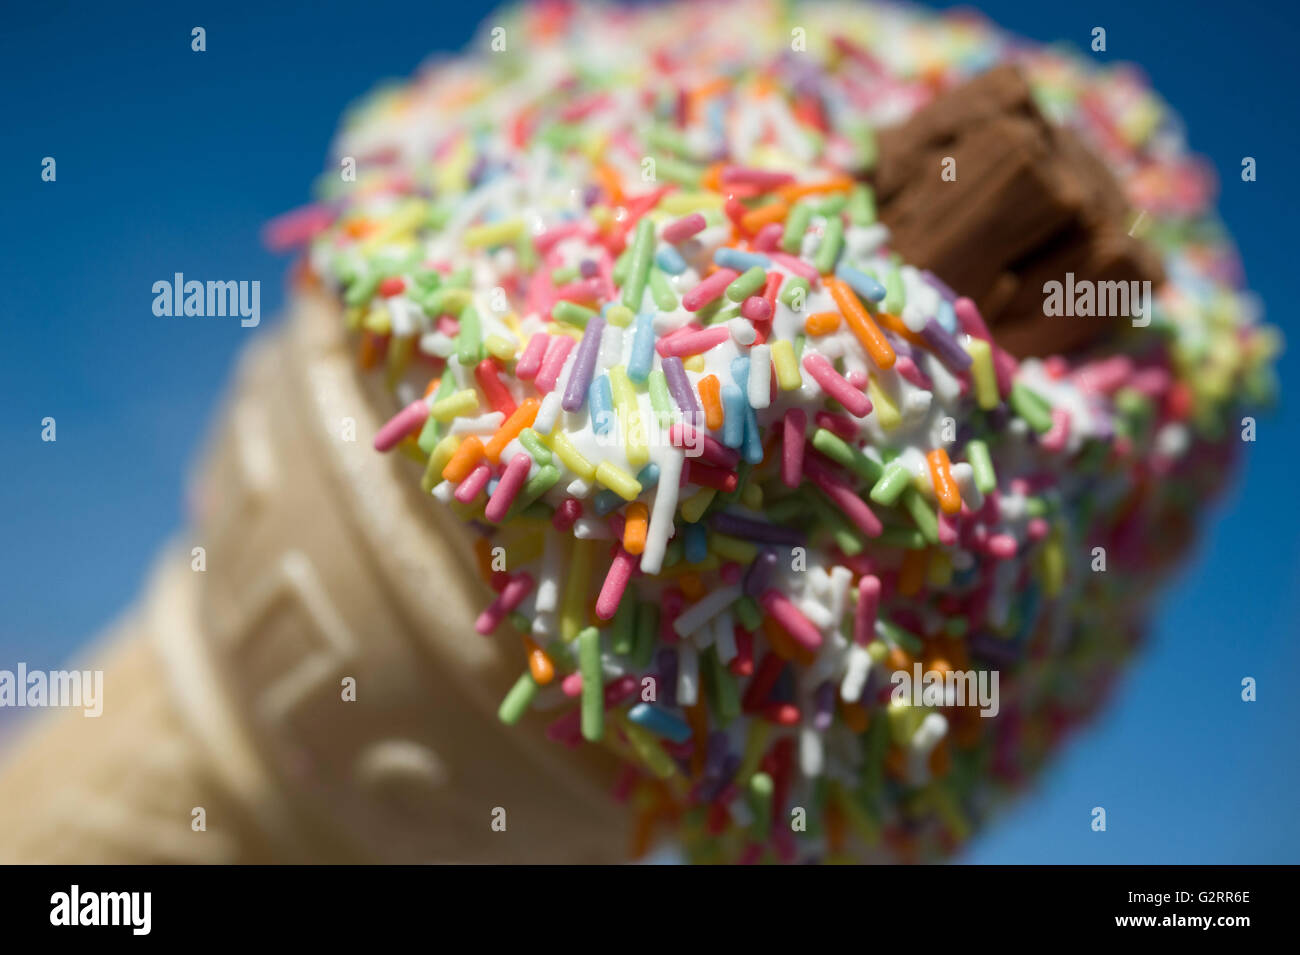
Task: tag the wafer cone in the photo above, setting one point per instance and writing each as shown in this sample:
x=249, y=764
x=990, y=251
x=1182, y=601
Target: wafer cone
x=224, y=688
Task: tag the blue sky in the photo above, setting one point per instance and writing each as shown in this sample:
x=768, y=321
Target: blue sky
x=171, y=161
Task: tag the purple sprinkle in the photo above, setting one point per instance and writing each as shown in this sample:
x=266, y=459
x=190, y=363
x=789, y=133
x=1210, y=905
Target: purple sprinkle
x=679, y=386
x=824, y=707
x=748, y=529
x=588, y=268
x=666, y=660
x=938, y=285
x=584, y=365
x=994, y=650
x=716, y=757
x=945, y=347
x=760, y=572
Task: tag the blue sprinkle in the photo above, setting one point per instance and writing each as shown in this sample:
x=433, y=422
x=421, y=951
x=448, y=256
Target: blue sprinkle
x=947, y=317
x=729, y=258
x=600, y=398
x=606, y=502
x=670, y=260
x=753, y=441
x=697, y=543
x=860, y=282
x=734, y=406
x=643, y=349
x=740, y=371
x=648, y=476
x=660, y=722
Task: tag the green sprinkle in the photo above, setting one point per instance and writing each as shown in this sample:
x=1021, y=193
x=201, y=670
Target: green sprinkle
x=660, y=401
x=902, y=538
x=1031, y=406
x=796, y=224
x=362, y=290
x=760, y=803
x=620, y=316
x=565, y=275
x=462, y=278
x=845, y=537
x=621, y=265
x=747, y=284
x=922, y=513
x=839, y=451
x=432, y=431
x=898, y=636
x=862, y=206
x=726, y=693
x=647, y=633
x=981, y=462
x=593, y=684
x=622, y=629
x=532, y=443
x=894, y=298
x=828, y=252
x=643, y=247
x=572, y=312
x=541, y=481
x=518, y=700
x=675, y=170
x=663, y=294
x=469, y=342
x=792, y=287
x=894, y=479
x=748, y=613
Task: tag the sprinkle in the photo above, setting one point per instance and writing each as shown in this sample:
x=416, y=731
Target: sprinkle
x=860, y=282
x=703, y=446
x=660, y=721
x=708, y=290
x=573, y=605
x=642, y=356
x=945, y=488
x=617, y=480
x=760, y=376
x=791, y=619
x=679, y=386
x=755, y=219
x=464, y=460
x=1032, y=407
x=844, y=497
x=692, y=342
x=760, y=531
x=629, y=415
x=570, y=456
x=488, y=375
x=866, y=330
x=729, y=258
x=634, y=527
x=787, y=366
x=593, y=687
x=511, y=596
x=894, y=479
x=661, y=402
x=864, y=616
x=665, y=298
x=469, y=342
x=747, y=284
x=887, y=414
x=531, y=360
x=834, y=447
x=508, y=487
x=611, y=592
x=643, y=245
x=735, y=406
x=661, y=516
x=982, y=373
x=518, y=700
x=474, y=483
x=407, y=421
x=710, y=398
x=495, y=233
x=683, y=228
x=828, y=252
x=584, y=365
x=572, y=313
x=600, y=400
x=792, y=444
x=557, y=352
x=835, y=386
x=522, y=418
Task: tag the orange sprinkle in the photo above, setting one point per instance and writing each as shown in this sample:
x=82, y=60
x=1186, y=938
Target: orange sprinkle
x=866, y=330
x=797, y=190
x=895, y=325
x=539, y=664
x=483, y=557
x=691, y=585
x=784, y=645
x=711, y=399
x=821, y=323
x=463, y=460
x=609, y=182
x=359, y=228
x=899, y=659
x=697, y=717
x=712, y=178
x=432, y=386
x=856, y=717
x=634, y=527
x=369, y=355
x=523, y=417
x=945, y=487
x=755, y=219
x=911, y=575
x=835, y=826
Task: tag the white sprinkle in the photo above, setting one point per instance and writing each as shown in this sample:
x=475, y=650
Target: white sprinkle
x=810, y=750
x=760, y=376
x=443, y=491
x=548, y=412
x=855, y=675
x=742, y=331
x=665, y=507
x=688, y=674
x=488, y=423
x=705, y=609
x=548, y=575
x=592, y=529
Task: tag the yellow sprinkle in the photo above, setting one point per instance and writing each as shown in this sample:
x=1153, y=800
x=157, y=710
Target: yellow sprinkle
x=573, y=608
x=354, y=317
x=733, y=548
x=751, y=495
x=694, y=506
x=647, y=747
x=442, y=452
x=939, y=573
x=680, y=203
x=399, y=226
x=981, y=369
x=1053, y=566
x=620, y=316
x=886, y=411
x=573, y=460
x=378, y=321
x=788, y=377
x=617, y=480
x=493, y=233
x=454, y=405
x=629, y=417
x=695, y=363
x=498, y=346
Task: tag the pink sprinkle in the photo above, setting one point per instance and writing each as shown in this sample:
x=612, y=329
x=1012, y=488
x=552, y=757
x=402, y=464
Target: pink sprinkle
x=546, y=240
x=583, y=290
x=907, y=368
x=844, y=497
x=611, y=592
x=833, y=383
x=857, y=378
x=507, y=488
x=1057, y=436
x=864, y=618
x=792, y=443
x=711, y=450
x=567, y=729
x=572, y=684
x=407, y=421
x=798, y=266
x=708, y=290
x=838, y=424
x=530, y=362
x=1037, y=528
x=971, y=322
x=511, y=596
x=1104, y=376
x=756, y=309
x=448, y=326
x=1001, y=546
x=296, y=227
x=567, y=513
x=557, y=350
x=692, y=343
x=731, y=572
x=671, y=603
x=762, y=178
x=684, y=228
x=948, y=528
x=791, y=618
x=768, y=237
x=469, y=488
